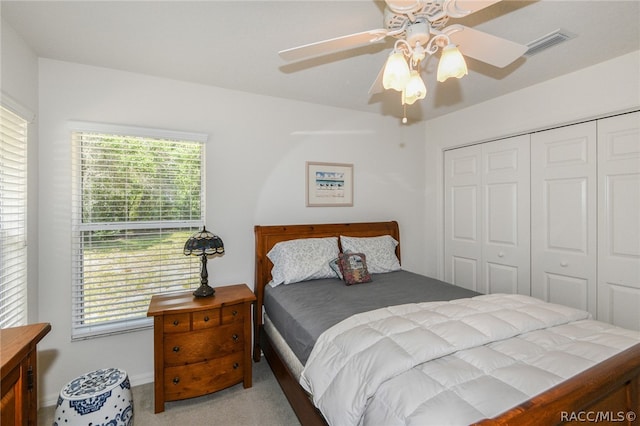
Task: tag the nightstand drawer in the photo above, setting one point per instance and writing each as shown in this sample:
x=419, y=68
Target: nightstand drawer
x=206, y=319
x=175, y=323
x=197, y=379
x=232, y=313
x=203, y=345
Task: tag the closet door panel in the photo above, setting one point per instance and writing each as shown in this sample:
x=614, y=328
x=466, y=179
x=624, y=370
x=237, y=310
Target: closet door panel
x=463, y=245
x=566, y=290
x=563, y=216
x=566, y=215
x=619, y=220
x=501, y=278
x=505, y=178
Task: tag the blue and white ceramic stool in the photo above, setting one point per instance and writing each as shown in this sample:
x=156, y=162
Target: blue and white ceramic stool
x=101, y=397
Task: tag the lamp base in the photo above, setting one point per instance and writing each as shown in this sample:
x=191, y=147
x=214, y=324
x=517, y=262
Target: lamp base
x=204, y=291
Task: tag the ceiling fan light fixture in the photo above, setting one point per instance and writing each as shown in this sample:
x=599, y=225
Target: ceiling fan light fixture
x=414, y=90
x=452, y=63
x=396, y=72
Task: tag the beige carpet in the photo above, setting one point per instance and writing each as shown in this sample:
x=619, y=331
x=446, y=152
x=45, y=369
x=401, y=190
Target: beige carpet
x=262, y=404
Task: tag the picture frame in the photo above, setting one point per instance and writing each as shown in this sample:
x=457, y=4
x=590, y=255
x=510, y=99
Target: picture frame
x=329, y=184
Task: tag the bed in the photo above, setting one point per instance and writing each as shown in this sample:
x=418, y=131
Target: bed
x=609, y=389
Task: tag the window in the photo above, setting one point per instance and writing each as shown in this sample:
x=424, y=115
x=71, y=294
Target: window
x=138, y=196
x=13, y=219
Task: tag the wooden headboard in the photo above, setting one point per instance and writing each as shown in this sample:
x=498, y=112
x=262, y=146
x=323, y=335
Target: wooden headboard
x=268, y=236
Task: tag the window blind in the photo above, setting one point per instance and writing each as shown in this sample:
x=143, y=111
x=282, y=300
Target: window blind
x=13, y=219
x=136, y=201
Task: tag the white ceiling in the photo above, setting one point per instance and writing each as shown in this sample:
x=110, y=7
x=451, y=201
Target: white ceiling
x=234, y=44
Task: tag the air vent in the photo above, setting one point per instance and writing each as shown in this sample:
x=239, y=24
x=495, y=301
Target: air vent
x=543, y=43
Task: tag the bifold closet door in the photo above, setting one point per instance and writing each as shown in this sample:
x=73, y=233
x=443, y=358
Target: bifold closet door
x=619, y=220
x=563, y=216
x=487, y=216
x=463, y=244
x=506, y=256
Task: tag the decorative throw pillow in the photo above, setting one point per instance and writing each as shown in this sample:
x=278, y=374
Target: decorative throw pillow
x=302, y=259
x=380, y=251
x=354, y=268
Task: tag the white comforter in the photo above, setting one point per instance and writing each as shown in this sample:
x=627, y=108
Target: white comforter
x=452, y=362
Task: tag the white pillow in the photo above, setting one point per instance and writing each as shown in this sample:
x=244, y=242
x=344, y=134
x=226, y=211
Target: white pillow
x=379, y=251
x=303, y=259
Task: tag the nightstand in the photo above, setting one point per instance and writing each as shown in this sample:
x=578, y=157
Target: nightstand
x=201, y=345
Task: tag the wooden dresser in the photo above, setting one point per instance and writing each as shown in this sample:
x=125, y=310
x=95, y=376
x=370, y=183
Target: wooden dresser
x=201, y=345
x=19, y=405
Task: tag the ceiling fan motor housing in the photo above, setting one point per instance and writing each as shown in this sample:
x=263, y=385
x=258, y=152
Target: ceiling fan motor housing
x=398, y=18
x=418, y=34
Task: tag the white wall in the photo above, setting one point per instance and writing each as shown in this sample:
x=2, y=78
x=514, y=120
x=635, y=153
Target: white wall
x=19, y=84
x=604, y=89
x=255, y=174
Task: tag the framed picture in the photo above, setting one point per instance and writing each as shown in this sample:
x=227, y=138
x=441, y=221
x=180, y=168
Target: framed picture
x=329, y=185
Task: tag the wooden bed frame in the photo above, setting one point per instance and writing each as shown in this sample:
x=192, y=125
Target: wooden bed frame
x=610, y=389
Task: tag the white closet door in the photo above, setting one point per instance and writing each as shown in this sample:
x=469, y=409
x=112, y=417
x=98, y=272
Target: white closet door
x=505, y=252
x=619, y=220
x=487, y=216
x=563, y=216
x=463, y=227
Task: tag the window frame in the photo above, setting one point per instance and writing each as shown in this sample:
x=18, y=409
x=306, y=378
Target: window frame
x=80, y=331
x=14, y=275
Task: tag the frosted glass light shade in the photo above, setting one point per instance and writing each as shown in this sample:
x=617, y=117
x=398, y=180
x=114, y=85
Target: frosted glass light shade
x=396, y=72
x=414, y=90
x=451, y=64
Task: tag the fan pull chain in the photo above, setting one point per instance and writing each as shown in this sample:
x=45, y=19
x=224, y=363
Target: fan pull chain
x=404, y=116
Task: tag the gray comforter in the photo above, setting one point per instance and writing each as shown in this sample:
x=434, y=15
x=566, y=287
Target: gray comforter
x=303, y=311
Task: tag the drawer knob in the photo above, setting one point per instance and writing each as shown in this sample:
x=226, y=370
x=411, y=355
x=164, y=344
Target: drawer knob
x=235, y=337
x=206, y=319
x=176, y=380
x=234, y=313
x=176, y=322
x=235, y=365
x=176, y=348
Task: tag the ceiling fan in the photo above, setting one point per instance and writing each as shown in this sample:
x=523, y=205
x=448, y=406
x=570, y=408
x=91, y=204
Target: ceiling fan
x=420, y=27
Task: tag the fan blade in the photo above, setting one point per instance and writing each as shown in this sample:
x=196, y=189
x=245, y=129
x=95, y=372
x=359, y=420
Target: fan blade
x=377, y=86
x=484, y=47
x=333, y=45
x=460, y=8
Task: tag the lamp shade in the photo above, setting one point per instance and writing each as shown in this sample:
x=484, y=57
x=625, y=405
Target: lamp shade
x=414, y=90
x=452, y=63
x=396, y=72
x=203, y=243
